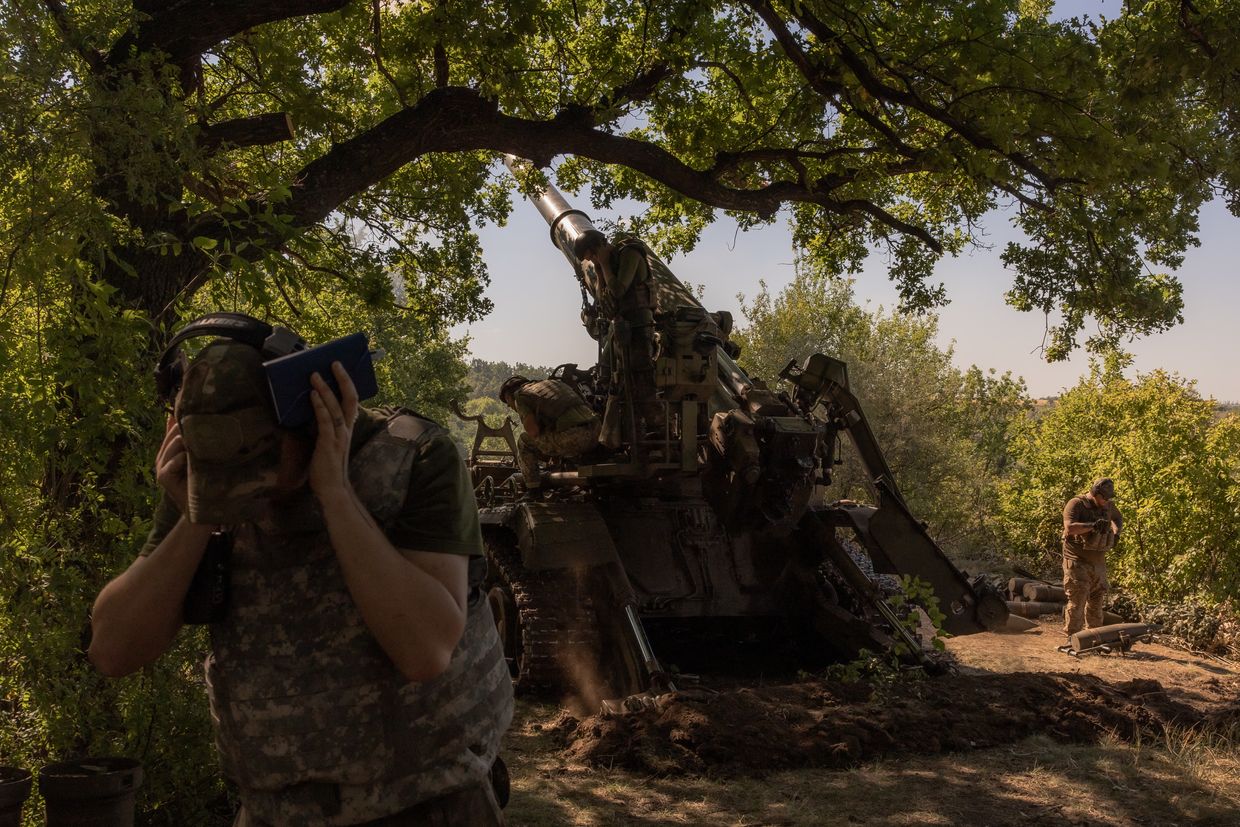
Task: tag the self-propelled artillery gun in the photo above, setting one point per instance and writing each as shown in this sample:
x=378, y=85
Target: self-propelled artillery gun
x=712, y=521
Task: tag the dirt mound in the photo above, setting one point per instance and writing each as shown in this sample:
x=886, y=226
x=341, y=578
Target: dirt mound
x=752, y=730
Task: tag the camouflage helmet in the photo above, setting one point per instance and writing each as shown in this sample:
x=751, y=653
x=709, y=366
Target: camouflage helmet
x=229, y=428
x=588, y=241
x=510, y=387
x=1103, y=487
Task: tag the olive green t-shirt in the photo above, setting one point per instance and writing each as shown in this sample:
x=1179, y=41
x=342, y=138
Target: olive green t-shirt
x=439, y=514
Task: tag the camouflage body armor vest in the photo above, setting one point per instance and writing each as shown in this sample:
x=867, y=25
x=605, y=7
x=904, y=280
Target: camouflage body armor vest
x=312, y=719
x=556, y=407
x=662, y=292
x=638, y=300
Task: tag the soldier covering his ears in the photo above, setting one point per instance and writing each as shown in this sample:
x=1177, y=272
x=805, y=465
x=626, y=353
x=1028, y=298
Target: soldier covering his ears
x=356, y=677
x=627, y=299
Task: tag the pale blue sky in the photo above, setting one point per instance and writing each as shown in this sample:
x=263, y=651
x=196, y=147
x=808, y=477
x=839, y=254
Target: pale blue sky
x=537, y=300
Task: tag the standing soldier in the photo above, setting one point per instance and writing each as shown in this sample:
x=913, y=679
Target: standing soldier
x=627, y=298
x=557, y=423
x=355, y=674
x=1091, y=526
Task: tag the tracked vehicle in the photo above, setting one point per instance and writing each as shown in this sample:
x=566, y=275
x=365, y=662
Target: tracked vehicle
x=713, y=523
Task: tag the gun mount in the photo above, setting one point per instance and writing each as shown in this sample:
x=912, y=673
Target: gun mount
x=712, y=516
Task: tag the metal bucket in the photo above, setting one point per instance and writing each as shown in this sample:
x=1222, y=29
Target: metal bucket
x=14, y=788
x=92, y=792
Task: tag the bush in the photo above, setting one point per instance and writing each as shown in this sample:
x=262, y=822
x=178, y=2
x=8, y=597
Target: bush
x=1174, y=462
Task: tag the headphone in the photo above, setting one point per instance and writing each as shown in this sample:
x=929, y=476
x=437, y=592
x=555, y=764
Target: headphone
x=271, y=341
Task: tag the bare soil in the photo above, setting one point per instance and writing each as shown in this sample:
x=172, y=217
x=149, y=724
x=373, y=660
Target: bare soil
x=1018, y=733
x=1006, y=688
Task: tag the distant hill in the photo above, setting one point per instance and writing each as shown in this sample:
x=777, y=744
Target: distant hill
x=484, y=378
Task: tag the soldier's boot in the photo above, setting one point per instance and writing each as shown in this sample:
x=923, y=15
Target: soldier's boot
x=527, y=463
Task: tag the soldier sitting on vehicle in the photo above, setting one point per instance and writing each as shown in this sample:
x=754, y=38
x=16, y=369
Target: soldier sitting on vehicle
x=557, y=423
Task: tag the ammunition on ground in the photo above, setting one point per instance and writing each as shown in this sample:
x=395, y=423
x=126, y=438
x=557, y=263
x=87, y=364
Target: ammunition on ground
x=1029, y=608
x=1120, y=635
x=1044, y=592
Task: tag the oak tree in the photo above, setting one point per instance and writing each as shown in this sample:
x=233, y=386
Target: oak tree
x=326, y=161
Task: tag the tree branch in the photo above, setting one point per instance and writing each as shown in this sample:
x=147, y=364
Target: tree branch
x=831, y=87
x=1187, y=10
x=376, y=29
x=883, y=91
x=639, y=88
x=60, y=15
x=185, y=28
x=257, y=130
x=459, y=120
x=440, y=59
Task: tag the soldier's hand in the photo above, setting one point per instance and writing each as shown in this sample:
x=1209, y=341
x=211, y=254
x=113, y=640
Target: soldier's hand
x=172, y=465
x=1102, y=524
x=329, y=467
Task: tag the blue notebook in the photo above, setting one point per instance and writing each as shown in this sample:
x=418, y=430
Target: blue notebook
x=289, y=376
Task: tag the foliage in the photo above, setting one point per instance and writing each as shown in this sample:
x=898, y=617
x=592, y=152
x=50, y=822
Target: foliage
x=916, y=594
x=149, y=173
x=485, y=378
x=155, y=145
x=1176, y=474
x=882, y=671
x=944, y=431
x=1194, y=623
x=867, y=668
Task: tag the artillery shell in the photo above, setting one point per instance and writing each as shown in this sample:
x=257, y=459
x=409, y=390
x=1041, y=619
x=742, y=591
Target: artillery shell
x=1030, y=608
x=1044, y=592
x=1016, y=586
x=1120, y=633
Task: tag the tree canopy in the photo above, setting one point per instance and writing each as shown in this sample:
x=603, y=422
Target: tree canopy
x=168, y=144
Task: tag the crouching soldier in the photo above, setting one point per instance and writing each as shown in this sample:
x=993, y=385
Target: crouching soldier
x=557, y=423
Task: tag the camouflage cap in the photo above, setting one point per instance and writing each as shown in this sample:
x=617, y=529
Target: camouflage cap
x=1103, y=487
x=229, y=428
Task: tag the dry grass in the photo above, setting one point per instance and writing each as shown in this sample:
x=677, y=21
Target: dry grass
x=1182, y=777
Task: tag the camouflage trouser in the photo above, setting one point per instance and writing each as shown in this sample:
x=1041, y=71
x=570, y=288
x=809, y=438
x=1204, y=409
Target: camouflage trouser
x=571, y=442
x=1085, y=585
x=471, y=807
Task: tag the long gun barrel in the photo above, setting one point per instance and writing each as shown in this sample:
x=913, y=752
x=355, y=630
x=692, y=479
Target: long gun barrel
x=567, y=224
